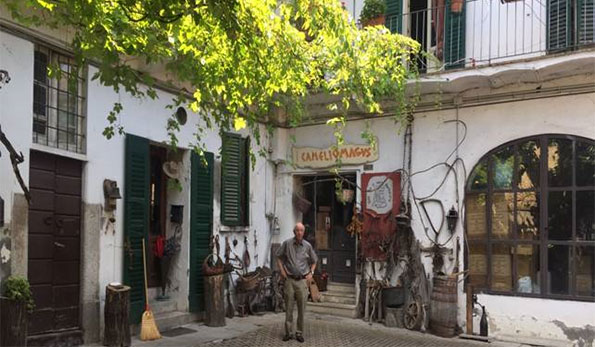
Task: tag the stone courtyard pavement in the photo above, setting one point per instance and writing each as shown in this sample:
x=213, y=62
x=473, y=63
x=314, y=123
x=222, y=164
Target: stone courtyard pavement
x=320, y=331
x=328, y=331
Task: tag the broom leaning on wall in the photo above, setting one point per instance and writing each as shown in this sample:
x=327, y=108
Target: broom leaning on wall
x=148, y=330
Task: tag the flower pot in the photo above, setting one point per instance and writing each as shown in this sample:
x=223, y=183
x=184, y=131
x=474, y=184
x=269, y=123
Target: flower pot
x=456, y=6
x=13, y=322
x=380, y=20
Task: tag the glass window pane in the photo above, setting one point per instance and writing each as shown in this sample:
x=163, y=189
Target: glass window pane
x=501, y=267
x=585, y=271
x=585, y=215
x=528, y=170
x=476, y=216
x=527, y=215
x=502, y=215
x=558, y=261
x=502, y=165
x=478, y=266
x=527, y=280
x=478, y=180
x=585, y=164
x=560, y=215
x=559, y=162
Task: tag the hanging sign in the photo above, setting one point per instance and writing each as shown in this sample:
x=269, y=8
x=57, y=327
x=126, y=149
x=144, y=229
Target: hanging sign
x=380, y=203
x=349, y=154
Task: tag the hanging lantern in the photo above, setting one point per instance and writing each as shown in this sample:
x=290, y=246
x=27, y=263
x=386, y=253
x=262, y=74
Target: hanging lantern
x=451, y=219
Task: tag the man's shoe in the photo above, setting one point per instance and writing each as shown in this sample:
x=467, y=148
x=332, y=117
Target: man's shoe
x=287, y=338
x=300, y=338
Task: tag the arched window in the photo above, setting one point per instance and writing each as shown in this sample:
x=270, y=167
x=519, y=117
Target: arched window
x=530, y=218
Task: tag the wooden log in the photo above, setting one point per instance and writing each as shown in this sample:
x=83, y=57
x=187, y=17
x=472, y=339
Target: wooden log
x=469, y=310
x=117, y=308
x=13, y=322
x=214, y=301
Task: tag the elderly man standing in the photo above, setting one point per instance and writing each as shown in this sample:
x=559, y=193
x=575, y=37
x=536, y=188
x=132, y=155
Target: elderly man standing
x=297, y=261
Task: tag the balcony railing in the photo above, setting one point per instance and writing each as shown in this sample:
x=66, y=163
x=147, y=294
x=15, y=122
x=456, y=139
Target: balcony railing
x=481, y=32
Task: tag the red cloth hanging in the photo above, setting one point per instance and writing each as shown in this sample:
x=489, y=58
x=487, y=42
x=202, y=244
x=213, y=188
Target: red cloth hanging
x=159, y=246
x=381, y=200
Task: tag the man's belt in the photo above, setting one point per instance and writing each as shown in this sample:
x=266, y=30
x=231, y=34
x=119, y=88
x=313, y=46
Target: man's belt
x=297, y=278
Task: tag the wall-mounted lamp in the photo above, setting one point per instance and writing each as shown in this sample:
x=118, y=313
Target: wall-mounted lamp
x=451, y=219
x=111, y=193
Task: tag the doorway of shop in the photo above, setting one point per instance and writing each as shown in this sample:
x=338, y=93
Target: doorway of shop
x=326, y=223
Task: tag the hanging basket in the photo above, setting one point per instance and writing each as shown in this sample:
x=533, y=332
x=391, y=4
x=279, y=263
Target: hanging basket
x=211, y=270
x=248, y=281
x=301, y=204
x=345, y=195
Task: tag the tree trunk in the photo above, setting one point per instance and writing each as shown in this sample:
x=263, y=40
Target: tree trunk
x=13, y=322
x=214, y=303
x=117, y=308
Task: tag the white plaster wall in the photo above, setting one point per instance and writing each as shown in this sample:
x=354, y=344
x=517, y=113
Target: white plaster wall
x=16, y=113
x=433, y=141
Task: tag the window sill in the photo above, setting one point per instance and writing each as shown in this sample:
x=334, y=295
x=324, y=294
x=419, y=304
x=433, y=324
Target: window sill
x=230, y=229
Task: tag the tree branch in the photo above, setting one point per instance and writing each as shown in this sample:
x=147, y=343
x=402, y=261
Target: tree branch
x=15, y=159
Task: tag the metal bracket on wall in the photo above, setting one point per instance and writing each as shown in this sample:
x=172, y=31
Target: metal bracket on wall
x=1, y=212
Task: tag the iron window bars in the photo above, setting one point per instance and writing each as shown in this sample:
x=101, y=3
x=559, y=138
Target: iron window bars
x=58, y=102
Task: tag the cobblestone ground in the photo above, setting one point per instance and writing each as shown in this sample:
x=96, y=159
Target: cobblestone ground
x=323, y=331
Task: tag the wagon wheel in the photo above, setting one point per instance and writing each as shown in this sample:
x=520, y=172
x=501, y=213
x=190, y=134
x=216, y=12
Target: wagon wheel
x=412, y=315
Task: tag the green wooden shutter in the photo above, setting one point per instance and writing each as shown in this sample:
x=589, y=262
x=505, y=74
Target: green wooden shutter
x=232, y=165
x=558, y=19
x=136, y=220
x=586, y=22
x=245, y=207
x=394, y=16
x=454, y=37
x=201, y=224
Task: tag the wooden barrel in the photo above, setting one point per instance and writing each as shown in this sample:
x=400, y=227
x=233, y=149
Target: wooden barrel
x=443, y=313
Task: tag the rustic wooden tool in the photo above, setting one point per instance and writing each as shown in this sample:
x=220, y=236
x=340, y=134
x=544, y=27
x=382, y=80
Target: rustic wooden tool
x=149, y=330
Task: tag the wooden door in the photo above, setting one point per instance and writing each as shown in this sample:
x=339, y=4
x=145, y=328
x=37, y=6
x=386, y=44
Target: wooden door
x=54, y=243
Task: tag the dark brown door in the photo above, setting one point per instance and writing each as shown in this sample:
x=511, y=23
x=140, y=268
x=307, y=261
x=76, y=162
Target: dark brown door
x=336, y=248
x=54, y=242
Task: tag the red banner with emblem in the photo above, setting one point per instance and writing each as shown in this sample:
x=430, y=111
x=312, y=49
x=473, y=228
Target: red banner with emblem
x=381, y=200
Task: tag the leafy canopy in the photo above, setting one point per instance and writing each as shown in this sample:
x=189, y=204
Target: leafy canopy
x=239, y=59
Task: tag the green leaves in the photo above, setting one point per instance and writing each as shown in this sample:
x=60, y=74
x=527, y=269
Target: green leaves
x=238, y=59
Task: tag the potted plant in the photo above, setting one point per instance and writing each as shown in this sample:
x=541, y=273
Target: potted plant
x=456, y=6
x=373, y=13
x=16, y=301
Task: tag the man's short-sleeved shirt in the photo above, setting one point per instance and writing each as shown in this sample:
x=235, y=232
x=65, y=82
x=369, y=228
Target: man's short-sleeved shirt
x=297, y=256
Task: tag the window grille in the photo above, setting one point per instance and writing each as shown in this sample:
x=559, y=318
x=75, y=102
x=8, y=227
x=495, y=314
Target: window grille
x=58, y=102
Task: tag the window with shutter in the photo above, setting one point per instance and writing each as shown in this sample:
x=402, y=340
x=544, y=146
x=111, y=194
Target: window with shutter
x=201, y=224
x=234, y=180
x=558, y=18
x=394, y=16
x=136, y=220
x=454, y=37
x=571, y=23
x=586, y=22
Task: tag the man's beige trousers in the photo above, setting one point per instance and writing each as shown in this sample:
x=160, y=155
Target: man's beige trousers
x=295, y=290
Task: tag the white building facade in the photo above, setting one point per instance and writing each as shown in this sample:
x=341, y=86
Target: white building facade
x=516, y=129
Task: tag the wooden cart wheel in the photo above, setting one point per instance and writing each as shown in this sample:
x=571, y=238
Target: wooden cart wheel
x=412, y=315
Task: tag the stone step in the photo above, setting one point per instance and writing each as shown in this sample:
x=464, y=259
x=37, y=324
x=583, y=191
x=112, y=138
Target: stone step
x=333, y=309
x=340, y=287
x=338, y=297
x=169, y=320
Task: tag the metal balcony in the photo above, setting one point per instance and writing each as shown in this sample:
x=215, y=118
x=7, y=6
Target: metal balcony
x=487, y=32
